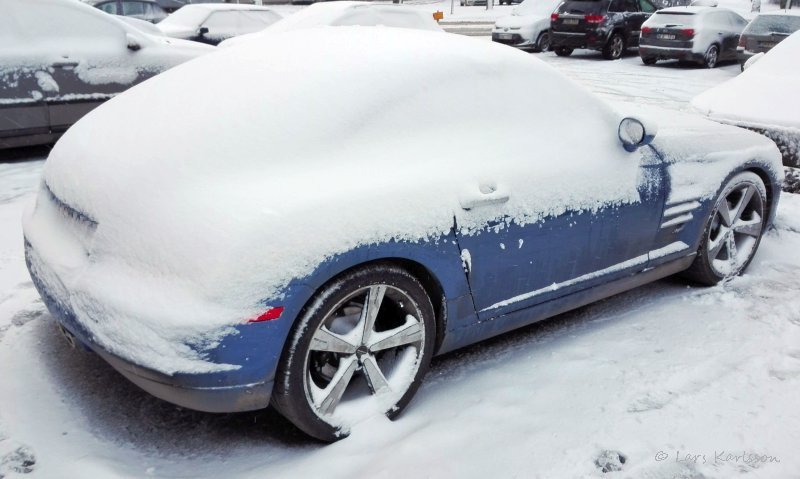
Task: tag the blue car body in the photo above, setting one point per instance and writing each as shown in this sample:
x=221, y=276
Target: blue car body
x=512, y=275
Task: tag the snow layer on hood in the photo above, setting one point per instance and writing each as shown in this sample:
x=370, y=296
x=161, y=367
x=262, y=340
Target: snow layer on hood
x=368, y=141
x=764, y=95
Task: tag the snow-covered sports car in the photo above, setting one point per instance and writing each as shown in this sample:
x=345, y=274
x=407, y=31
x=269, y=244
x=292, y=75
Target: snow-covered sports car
x=312, y=238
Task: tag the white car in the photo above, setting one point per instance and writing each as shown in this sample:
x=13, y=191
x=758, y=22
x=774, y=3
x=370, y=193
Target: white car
x=341, y=14
x=528, y=26
x=763, y=98
x=214, y=22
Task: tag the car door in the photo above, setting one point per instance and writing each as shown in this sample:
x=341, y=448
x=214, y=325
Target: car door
x=646, y=9
x=513, y=265
x=634, y=18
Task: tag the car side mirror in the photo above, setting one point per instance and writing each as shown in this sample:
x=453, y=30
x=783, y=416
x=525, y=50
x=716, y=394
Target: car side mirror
x=133, y=42
x=202, y=31
x=633, y=134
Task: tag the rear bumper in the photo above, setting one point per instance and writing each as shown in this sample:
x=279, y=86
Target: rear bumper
x=202, y=392
x=670, y=53
x=577, y=40
x=516, y=40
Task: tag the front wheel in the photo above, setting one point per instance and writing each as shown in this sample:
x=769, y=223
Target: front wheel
x=360, y=349
x=711, y=57
x=563, y=51
x=733, y=231
x=614, y=48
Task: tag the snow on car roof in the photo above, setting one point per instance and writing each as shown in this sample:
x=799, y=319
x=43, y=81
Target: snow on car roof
x=690, y=10
x=761, y=95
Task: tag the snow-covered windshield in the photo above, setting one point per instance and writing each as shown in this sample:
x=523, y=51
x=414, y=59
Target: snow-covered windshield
x=536, y=7
x=781, y=24
x=672, y=18
x=186, y=17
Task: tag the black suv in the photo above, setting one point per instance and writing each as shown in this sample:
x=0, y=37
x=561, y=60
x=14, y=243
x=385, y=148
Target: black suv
x=610, y=26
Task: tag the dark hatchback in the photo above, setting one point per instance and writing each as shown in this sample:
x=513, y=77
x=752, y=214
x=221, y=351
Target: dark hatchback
x=706, y=35
x=610, y=26
x=766, y=31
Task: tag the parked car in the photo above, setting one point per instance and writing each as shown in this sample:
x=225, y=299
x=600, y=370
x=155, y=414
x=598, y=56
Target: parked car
x=146, y=10
x=214, y=22
x=763, y=98
x=765, y=31
x=318, y=247
x=347, y=13
x=610, y=26
x=528, y=27
x=706, y=35
x=59, y=59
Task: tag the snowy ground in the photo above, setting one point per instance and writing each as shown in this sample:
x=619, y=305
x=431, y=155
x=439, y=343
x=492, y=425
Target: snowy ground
x=682, y=382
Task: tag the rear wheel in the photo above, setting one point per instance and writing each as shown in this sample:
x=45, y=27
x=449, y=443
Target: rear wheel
x=711, y=57
x=649, y=60
x=563, y=51
x=360, y=350
x=543, y=42
x=733, y=232
x=614, y=48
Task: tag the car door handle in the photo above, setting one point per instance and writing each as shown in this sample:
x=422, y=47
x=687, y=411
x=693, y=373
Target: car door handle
x=65, y=63
x=485, y=197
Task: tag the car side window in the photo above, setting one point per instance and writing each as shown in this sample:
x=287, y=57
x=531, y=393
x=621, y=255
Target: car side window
x=222, y=24
x=133, y=8
x=624, y=6
x=737, y=20
x=646, y=6
x=616, y=6
x=108, y=7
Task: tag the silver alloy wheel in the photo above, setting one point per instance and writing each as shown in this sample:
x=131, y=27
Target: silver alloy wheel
x=735, y=230
x=617, y=46
x=712, y=54
x=363, y=347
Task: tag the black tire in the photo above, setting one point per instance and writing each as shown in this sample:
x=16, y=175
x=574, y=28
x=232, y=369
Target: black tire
x=711, y=57
x=649, y=60
x=543, y=42
x=336, y=371
x=708, y=268
x=563, y=51
x=614, y=48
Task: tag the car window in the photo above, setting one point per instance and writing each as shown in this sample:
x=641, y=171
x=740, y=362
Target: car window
x=108, y=7
x=737, y=21
x=222, y=24
x=766, y=24
x=256, y=20
x=63, y=27
x=133, y=8
x=646, y=6
x=623, y=6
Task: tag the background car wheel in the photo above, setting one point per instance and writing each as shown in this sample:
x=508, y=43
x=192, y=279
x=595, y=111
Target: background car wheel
x=360, y=349
x=711, y=57
x=614, y=48
x=543, y=42
x=733, y=232
x=563, y=51
x=649, y=60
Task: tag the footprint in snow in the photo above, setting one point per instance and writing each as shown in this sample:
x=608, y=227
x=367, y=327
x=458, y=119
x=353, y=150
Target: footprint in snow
x=25, y=316
x=610, y=461
x=21, y=461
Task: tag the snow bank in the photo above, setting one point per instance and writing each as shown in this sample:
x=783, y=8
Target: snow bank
x=765, y=95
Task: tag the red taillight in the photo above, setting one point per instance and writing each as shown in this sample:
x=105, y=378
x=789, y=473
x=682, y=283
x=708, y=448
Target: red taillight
x=268, y=315
x=553, y=17
x=742, y=42
x=594, y=18
x=646, y=29
x=689, y=32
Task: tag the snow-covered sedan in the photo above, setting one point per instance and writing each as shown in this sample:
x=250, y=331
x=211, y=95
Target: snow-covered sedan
x=213, y=23
x=317, y=248
x=60, y=59
x=528, y=26
x=347, y=14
